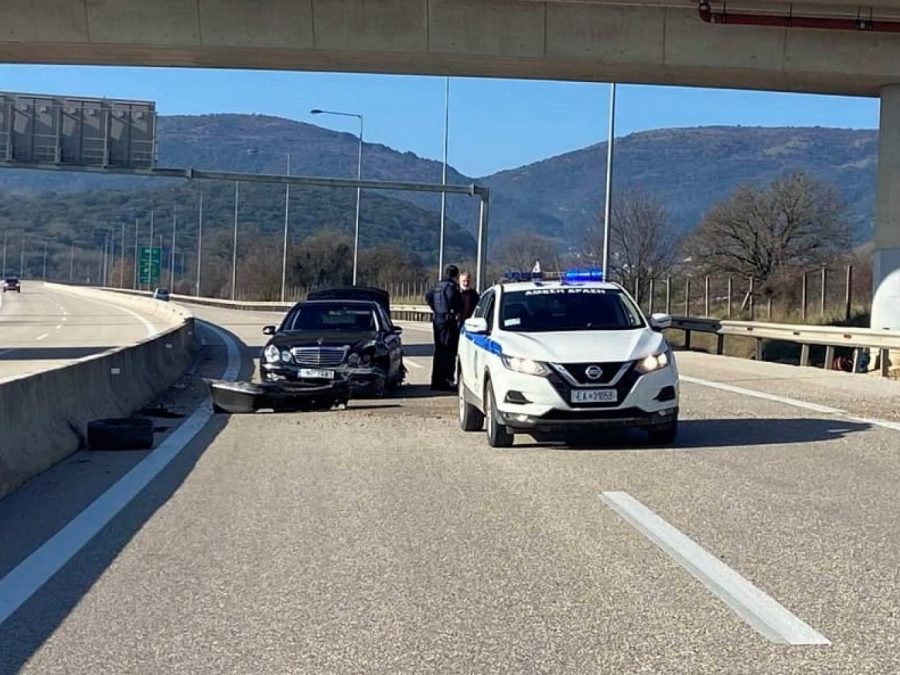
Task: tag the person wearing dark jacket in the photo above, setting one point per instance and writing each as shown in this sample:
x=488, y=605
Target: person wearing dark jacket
x=445, y=302
x=470, y=296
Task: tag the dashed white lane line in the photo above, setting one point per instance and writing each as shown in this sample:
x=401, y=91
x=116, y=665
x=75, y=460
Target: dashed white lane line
x=42, y=337
x=57, y=326
x=796, y=403
x=761, y=611
x=32, y=573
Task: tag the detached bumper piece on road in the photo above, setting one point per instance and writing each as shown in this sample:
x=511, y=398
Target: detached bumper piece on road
x=246, y=397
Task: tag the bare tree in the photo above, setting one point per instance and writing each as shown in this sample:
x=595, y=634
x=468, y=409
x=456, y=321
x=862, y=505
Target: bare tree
x=523, y=249
x=643, y=245
x=794, y=223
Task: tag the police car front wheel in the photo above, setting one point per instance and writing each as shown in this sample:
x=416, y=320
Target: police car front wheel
x=497, y=434
x=470, y=417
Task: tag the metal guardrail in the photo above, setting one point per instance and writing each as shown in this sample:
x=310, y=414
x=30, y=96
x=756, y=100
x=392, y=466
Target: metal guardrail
x=830, y=337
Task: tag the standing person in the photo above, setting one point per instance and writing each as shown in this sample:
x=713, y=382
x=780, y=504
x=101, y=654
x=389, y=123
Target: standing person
x=445, y=302
x=469, y=296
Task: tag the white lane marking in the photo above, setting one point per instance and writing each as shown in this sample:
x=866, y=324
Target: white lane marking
x=408, y=361
x=65, y=318
x=42, y=337
x=57, y=326
x=148, y=325
x=815, y=407
x=32, y=573
x=759, y=610
x=805, y=405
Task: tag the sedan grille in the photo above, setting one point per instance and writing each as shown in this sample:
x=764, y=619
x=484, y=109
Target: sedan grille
x=319, y=356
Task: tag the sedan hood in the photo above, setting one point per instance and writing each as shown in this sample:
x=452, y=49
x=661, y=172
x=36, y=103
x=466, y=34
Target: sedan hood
x=342, y=338
x=583, y=346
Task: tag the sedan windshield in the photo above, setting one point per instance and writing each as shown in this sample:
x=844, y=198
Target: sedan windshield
x=330, y=316
x=568, y=309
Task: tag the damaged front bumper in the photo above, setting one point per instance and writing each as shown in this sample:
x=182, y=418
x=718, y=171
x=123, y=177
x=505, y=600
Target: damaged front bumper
x=361, y=380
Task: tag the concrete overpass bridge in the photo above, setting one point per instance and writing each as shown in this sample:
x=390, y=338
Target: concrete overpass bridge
x=824, y=47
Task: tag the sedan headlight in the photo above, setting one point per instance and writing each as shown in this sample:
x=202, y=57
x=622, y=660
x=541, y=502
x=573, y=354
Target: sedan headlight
x=286, y=356
x=353, y=360
x=653, y=362
x=526, y=366
x=272, y=354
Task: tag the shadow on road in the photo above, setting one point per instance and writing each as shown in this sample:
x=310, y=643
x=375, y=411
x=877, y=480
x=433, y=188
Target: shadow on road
x=35, y=621
x=418, y=350
x=713, y=433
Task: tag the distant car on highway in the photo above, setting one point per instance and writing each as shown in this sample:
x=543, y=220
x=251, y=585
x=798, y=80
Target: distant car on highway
x=161, y=294
x=565, y=356
x=337, y=343
x=12, y=284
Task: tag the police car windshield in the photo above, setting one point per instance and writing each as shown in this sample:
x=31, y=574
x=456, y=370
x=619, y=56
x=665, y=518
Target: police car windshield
x=331, y=316
x=568, y=309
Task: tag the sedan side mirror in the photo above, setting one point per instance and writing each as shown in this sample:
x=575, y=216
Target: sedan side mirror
x=660, y=321
x=268, y=330
x=476, y=326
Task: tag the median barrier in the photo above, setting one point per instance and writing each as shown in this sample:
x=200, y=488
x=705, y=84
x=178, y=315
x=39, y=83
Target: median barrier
x=44, y=416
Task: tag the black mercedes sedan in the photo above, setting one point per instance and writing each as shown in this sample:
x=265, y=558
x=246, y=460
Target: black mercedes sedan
x=337, y=344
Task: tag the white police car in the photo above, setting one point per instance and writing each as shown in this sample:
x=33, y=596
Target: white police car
x=565, y=356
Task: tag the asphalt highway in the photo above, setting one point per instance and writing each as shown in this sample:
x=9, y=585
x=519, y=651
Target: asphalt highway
x=42, y=327
x=382, y=539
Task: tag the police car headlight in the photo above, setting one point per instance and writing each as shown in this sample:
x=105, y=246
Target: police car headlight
x=526, y=366
x=272, y=354
x=653, y=362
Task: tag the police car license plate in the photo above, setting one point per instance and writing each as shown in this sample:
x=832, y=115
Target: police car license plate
x=317, y=374
x=594, y=396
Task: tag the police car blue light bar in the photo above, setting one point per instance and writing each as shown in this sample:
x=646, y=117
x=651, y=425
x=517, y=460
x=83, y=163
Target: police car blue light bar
x=583, y=275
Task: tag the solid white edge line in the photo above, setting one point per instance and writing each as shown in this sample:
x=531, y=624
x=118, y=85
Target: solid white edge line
x=758, y=609
x=815, y=407
x=32, y=573
x=42, y=337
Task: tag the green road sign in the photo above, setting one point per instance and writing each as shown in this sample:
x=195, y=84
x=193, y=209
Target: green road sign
x=149, y=267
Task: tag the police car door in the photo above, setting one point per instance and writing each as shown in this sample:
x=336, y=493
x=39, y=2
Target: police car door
x=480, y=352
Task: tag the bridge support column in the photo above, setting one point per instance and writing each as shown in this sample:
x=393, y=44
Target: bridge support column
x=886, y=265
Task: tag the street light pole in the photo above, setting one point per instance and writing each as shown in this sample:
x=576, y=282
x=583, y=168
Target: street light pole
x=287, y=209
x=237, y=187
x=172, y=254
x=136, y=233
x=150, y=262
x=71, y=261
x=444, y=176
x=316, y=111
x=44, y=275
x=199, y=242
x=607, y=208
x=122, y=258
x=5, y=238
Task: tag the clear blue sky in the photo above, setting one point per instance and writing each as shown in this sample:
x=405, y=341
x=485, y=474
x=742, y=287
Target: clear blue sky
x=494, y=125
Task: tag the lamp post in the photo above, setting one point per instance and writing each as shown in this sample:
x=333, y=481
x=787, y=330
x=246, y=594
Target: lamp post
x=172, y=254
x=287, y=212
x=237, y=192
x=316, y=111
x=607, y=207
x=199, y=243
x=444, y=177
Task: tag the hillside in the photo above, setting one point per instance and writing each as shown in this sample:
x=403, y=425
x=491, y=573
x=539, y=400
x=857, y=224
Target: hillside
x=689, y=169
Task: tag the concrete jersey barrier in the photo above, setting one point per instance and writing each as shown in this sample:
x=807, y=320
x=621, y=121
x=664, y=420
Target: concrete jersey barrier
x=43, y=417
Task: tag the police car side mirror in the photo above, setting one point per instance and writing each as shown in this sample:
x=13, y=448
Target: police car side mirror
x=660, y=321
x=476, y=325
x=268, y=330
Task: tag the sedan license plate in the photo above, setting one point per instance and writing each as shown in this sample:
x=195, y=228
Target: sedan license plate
x=594, y=396
x=317, y=374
